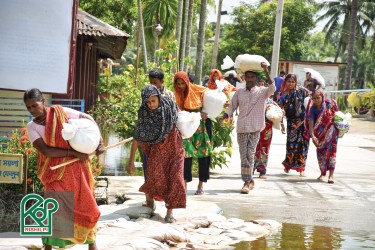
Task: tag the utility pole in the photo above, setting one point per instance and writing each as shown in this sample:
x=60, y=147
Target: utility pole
x=217, y=34
x=277, y=38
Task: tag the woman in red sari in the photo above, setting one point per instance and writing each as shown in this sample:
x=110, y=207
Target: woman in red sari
x=162, y=143
x=319, y=122
x=73, y=184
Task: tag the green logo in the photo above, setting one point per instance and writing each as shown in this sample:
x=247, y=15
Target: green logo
x=40, y=213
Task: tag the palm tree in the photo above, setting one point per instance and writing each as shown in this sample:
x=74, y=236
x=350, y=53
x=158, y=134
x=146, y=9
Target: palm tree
x=162, y=12
x=200, y=41
x=338, y=14
x=183, y=34
x=353, y=23
x=188, y=32
x=179, y=23
x=141, y=35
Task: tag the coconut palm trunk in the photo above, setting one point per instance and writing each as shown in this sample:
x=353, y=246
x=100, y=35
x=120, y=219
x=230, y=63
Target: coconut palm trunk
x=178, y=26
x=183, y=34
x=142, y=36
x=353, y=23
x=188, y=32
x=200, y=42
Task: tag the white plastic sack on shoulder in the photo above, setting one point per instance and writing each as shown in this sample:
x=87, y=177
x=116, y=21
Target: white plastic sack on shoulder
x=316, y=75
x=227, y=63
x=247, y=62
x=213, y=103
x=188, y=123
x=241, y=85
x=274, y=113
x=83, y=135
x=306, y=101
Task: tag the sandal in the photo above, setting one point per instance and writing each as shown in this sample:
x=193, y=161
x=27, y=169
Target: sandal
x=245, y=190
x=199, y=192
x=169, y=219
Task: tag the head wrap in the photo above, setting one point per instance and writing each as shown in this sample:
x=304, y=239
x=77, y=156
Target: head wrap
x=211, y=81
x=192, y=97
x=154, y=125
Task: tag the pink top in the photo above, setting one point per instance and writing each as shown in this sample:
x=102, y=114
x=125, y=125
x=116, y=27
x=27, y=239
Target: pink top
x=251, y=106
x=36, y=131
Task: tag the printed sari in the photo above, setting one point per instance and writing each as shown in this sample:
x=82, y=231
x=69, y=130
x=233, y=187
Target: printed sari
x=297, y=146
x=72, y=185
x=325, y=133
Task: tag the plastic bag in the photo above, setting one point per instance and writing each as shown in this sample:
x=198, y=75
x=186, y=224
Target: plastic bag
x=227, y=63
x=248, y=62
x=213, y=102
x=274, y=113
x=317, y=76
x=83, y=135
x=342, y=122
x=188, y=123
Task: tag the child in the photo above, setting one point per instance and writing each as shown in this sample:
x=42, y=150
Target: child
x=162, y=144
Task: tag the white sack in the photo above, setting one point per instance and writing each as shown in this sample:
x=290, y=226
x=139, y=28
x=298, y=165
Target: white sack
x=306, y=101
x=241, y=85
x=274, y=113
x=213, y=102
x=247, y=62
x=317, y=76
x=188, y=123
x=83, y=135
x=227, y=63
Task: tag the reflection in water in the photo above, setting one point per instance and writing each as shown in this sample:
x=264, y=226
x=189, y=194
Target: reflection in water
x=293, y=236
x=116, y=159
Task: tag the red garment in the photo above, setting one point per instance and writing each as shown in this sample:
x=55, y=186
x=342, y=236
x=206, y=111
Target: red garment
x=165, y=170
x=75, y=177
x=263, y=147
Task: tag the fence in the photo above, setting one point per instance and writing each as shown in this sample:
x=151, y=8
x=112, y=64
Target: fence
x=14, y=115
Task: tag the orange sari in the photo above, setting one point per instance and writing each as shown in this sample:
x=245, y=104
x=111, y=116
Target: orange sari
x=73, y=185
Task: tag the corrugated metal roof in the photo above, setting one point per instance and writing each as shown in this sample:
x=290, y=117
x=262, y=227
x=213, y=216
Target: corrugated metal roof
x=91, y=26
x=110, y=41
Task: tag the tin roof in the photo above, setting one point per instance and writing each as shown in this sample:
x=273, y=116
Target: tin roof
x=110, y=41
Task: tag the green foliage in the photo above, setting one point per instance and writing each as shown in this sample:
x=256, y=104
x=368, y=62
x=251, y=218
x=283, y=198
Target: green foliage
x=18, y=143
x=118, y=13
x=253, y=28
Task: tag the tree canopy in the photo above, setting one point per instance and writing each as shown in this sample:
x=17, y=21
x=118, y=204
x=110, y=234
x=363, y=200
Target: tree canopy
x=253, y=28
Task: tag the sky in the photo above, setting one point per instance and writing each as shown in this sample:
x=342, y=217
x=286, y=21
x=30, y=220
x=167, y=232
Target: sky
x=228, y=6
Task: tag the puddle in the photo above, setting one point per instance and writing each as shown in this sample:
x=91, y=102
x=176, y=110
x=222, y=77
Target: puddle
x=294, y=236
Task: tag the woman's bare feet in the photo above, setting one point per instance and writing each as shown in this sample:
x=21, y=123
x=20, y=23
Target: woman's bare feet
x=262, y=176
x=286, y=170
x=330, y=180
x=320, y=178
x=302, y=174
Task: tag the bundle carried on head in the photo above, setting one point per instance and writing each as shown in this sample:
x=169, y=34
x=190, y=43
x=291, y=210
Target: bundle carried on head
x=246, y=62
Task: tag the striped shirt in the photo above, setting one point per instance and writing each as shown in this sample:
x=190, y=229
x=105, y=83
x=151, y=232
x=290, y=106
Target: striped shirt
x=167, y=92
x=251, y=106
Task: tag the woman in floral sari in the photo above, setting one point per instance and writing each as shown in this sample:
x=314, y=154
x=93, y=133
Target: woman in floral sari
x=297, y=146
x=73, y=184
x=189, y=97
x=162, y=143
x=319, y=122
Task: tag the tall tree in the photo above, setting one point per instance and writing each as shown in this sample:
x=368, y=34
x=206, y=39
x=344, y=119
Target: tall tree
x=162, y=12
x=353, y=23
x=179, y=24
x=141, y=36
x=338, y=15
x=183, y=34
x=252, y=30
x=188, y=32
x=200, y=41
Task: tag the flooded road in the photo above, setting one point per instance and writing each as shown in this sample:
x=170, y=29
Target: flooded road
x=315, y=215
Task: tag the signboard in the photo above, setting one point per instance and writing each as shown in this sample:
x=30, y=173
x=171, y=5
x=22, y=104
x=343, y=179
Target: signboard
x=329, y=73
x=11, y=170
x=36, y=44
